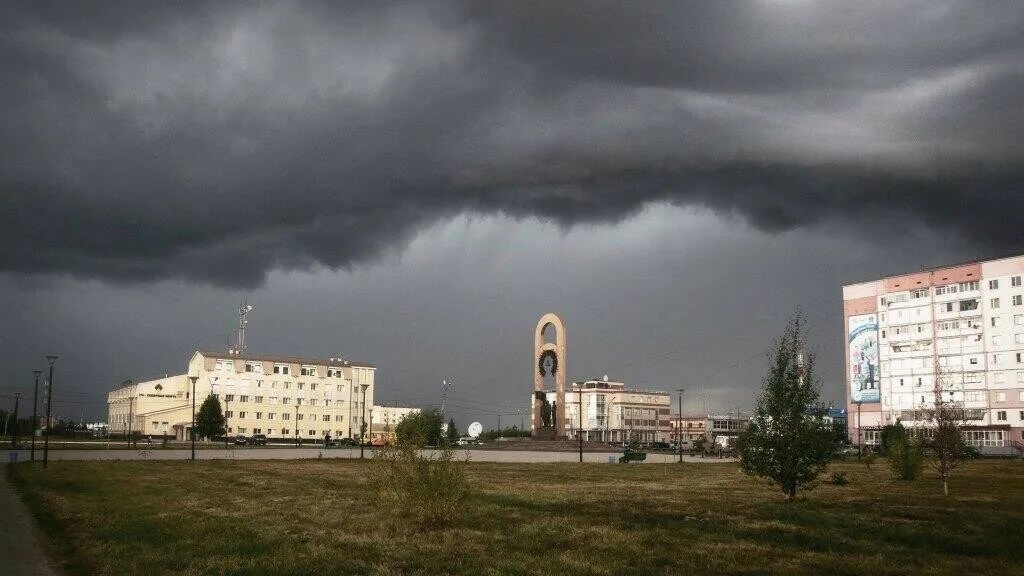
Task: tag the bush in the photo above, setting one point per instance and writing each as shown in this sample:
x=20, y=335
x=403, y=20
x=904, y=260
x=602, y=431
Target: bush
x=869, y=459
x=838, y=478
x=430, y=489
x=906, y=458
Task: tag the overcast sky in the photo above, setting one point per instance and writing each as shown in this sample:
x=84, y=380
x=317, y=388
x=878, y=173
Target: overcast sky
x=414, y=184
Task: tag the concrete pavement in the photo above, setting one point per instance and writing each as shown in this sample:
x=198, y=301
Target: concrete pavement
x=521, y=456
x=21, y=552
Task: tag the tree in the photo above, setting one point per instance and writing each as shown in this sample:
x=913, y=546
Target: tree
x=210, y=420
x=947, y=447
x=903, y=452
x=452, y=432
x=421, y=428
x=787, y=440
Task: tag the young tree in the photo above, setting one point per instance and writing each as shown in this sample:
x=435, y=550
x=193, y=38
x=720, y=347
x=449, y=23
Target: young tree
x=452, y=432
x=787, y=440
x=947, y=447
x=210, y=420
x=903, y=452
x=421, y=428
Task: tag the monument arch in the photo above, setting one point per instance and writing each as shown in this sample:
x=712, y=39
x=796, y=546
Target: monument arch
x=549, y=358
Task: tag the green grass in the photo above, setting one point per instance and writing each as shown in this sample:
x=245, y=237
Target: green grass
x=317, y=517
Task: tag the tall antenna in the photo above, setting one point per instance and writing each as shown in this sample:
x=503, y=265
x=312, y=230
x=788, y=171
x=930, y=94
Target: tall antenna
x=243, y=310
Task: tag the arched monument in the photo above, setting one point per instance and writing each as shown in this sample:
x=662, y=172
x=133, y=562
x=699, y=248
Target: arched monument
x=549, y=358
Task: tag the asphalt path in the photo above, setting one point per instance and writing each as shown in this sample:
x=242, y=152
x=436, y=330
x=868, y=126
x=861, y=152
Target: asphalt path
x=275, y=453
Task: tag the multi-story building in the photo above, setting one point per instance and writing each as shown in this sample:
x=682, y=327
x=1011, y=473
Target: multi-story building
x=724, y=429
x=282, y=397
x=957, y=331
x=688, y=427
x=383, y=420
x=611, y=413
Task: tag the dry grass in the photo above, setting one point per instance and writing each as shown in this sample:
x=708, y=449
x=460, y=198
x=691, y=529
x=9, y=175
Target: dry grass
x=317, y=517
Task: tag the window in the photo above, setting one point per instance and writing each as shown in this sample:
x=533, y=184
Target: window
x=1020, y=357
x=286, y=400
x=286, y=416
x=1020, y=396
x=254, y=367
x=243, y=399
x=258, y=399
x=966, y=305
x=259, y=415
x=334, y=372
x=1015, y=281
x=340, y=418
x=228, y=414
x=1018, y=338
x=968, y=286
x=327, y=418
x=287, y=385
x=1001, y=415
x=993, y=284
x=947, y=307
x=1020, y=377
x=973, y=360
x=950, y=289
x=299, y=416
x=1018, y=319
x=270, y=415
x=994, y=321
x=225, y=365
x=993, y=303
x=985, y=437
x=281, y=368
x=298, y=401
x=919, y=294
x=229, y=397
x=999, y=377
x=312, y=432
x=972, y=396
x=1017, y=300
x=996, y=358
x=301, y=386
x=308, y=371
x=312, y=401
x=312, y=385
x=241, y=414
x=997, y=340
x=1000, y=396
x=284, y=431
x=949, y=325
x=241, y=430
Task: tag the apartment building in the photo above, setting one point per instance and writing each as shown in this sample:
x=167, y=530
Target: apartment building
x=961, y=327
x=282, y=397
x=613, y=413
x=688, y=427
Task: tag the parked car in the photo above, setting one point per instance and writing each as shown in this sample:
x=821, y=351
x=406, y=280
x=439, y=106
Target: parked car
x=241, y=440
x=345, y=442
x=258, y=440
x=660, y=446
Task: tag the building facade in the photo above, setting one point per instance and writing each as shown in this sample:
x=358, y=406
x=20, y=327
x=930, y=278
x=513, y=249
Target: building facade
x=283, y=397
x=383, y=420
x=688, y=427
x=957, y=331
x=612, y=413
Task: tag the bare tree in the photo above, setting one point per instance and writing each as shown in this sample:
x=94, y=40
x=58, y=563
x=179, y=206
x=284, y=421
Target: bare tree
x=947, y=447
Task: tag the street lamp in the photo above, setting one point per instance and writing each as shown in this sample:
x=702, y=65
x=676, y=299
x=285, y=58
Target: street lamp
x=35, y=421
x=297, y=443
x=51, y=358
x=580, y=431
x=14, y=433
x=362, y=423
x=679, y=425
x=193, y=431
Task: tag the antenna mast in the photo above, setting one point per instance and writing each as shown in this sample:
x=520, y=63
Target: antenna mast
x=243, y=310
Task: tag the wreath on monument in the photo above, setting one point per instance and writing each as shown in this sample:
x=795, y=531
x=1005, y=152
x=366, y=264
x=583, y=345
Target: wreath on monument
x=554, y=362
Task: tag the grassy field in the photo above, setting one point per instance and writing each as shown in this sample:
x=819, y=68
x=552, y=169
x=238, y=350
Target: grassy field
x=315, y=517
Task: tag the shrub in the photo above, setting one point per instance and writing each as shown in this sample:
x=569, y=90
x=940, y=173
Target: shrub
x=869, y=459
x=906, y=458
x=429, y=488
x=838, y=478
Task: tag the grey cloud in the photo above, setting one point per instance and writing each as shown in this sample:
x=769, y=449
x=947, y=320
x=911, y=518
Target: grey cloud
x=216, y=142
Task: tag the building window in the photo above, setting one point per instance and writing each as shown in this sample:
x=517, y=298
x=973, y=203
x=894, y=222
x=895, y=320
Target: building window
x=241, y=430
x=993, y=284
x=997, y=340
x=229, y=397
x=996, y=358
x=966, y=305
x=258, y=399
x=241, y=414
x=284, y=431
x=259, y=415
x=919, y=294
x=994, y=321
x=973, y=360
x=281, y=369
x=1000, y=377
x=950, y=289
x=1001, y=415
x=286, y=416
x=270, y=415
x=312, y=385
x=256, y=368
x=308, y=371
x=968, y=286
x=327, y=418
x=1020, y=396
x=1000, y=396
x=243, y=399
x=1015, y=281
x=228, y=413
x=1020, y=357
x=947, y=307
x=1018, y=300
x=994, y=303
x=299, y=416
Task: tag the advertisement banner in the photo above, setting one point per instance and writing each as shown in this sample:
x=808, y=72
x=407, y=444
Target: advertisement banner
x=863, y=342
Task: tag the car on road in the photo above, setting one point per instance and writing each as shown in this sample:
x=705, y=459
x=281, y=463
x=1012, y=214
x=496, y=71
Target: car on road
x=258, y=440
x=344, y=442
x=240, y=440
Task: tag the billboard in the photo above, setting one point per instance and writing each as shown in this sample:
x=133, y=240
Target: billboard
x=863, y=342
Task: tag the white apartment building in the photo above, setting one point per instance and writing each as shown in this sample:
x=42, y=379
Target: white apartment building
x=962, y=324
x=283, y=397
x=611, y=413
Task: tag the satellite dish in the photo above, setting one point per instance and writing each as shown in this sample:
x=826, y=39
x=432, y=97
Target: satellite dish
x=475, y=429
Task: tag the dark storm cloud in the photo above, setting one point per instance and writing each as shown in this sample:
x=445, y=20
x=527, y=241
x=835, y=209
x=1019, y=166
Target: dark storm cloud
x=214, y=142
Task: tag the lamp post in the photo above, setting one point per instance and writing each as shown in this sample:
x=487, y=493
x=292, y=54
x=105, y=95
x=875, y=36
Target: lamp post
x=35, y=421
x=679, y=425
x=296, y=422
x=192, y=432
x=14, y=433
x=225, y=419
x=580, y=431
x=51, y=358
x=860, y=442
x=362, y=423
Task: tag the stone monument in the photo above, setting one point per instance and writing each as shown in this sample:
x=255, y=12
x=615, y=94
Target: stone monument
x=549, y=358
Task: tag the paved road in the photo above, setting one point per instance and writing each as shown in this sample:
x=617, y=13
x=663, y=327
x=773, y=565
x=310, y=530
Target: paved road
x=298, y=453
x=21, y=553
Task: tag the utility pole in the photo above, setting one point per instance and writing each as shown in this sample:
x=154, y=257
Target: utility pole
x=192, y=432
x=499, y=425
x=679, y=425
x=35, y=420
x=580, y=431
x=860, y=443
x=362, y=423
x=296, y=422
x=445, y=385
x=14, y=434
x=51, y=358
